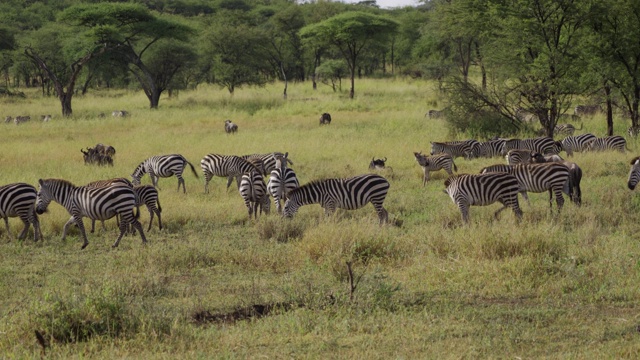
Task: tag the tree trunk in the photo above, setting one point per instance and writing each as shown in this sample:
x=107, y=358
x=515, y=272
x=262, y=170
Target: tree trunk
x=607, y=91
x=634, y=106
x=65, y=101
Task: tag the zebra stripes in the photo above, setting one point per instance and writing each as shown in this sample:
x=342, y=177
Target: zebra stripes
x=491, y=148
x=537, y=178
x=254, y=193
x=148, y=195
x=481, y=190
x=100, y=203
x=456, y=149
x=572, y=187
x=265, y=162
x=18, y=200
x=542, y=145
x=434, y=163
x=634, y=174
x=281, y=181
x=615, y=142
x=577, y=143
x=350, y=193
x=106, y=183
x=224, y=166
x=163, y=166
x=519, y=156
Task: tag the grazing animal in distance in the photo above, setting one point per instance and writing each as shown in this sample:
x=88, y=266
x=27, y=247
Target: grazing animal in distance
x=577, y=143
x=434, y=163
x=8, y=119
x=21, y=119
x=466, y=190
x=435, y=114
x=120, y=113
x=465, y=148
x=224, y=166
x=163, y=166
x=230, y=127
x=325, y=119
x=587, y=110
x=633, y=131
x=377, y=164
x=45, y=118
x=18, y=200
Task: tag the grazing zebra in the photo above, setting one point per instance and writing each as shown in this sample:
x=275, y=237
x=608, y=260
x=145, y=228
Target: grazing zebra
x=18, y=200
x=491, y=148
x=481, y=190
x=434, y=163
x=282, y=181
x=537, y=178
x=519, y=156
x=163, y=166
x=634, y=174
x=224, y=166
x=543, y=145
x=456, y=149
x=566, y=129
x=615, y=142
x=582, y=110
x=350, y=194
x=325, y=119
x=254, y=193
x=633, y=131
x=148, y=195
x=571, y=188
x=100, y=203
x=229, y=127
x=577, y=143
x=265, y=162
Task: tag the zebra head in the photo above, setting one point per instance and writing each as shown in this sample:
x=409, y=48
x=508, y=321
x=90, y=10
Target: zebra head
x=634, y=174
x=44, y=196
x=290, y=208
x=137, y=175
x=281, y=160
x=421, y=159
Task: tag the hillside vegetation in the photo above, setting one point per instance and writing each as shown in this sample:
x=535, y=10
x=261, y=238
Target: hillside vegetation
x=426, y=286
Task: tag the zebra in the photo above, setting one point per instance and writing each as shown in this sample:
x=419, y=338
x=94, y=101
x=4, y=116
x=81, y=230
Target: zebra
x=519, y=156
x=163, y=166
x=21, y=119
x=566, y=129
x=582, y=110
x=634, y=174
x=537, y=178
x=456, y=149
x=106, y=183
x=577, y=143
x=434, y=163
x=466, y=190
x=435, y=114
x=148, y=195
x=543, y=145
x=350, y=193
x=99, y=203
x=571, y=188
x=267, y=162
x=224, y=166
x=615, y=142
x=633, y=131
x=230, y=127
x=18, y=200
x=254, y=193
x=491, y=148
x=282, y=180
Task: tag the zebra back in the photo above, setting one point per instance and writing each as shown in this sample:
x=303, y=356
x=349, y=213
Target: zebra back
x=577, y=143
x=519, y=156
x=543, y=145
x=463, y=148
x=491, y=148
x=615, y=142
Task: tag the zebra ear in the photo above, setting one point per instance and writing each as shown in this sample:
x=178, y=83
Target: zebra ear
x=445, y=191
x=40, y=181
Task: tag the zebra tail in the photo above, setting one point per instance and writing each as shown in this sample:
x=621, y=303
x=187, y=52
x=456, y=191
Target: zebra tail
x=455, y=168
x=137, y=214
x=193, y=170
x=159, y=207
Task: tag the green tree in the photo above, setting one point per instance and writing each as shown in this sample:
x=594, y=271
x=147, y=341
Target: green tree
x=350, y=32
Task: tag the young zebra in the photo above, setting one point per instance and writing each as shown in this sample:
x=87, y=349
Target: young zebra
x=456, y=149
x=254, y=193
x=351, y=193
x=163, y=166
x=95, y=203
x=615, y=142
x=434, y=163
x=18, y=200
x=491, y=148
x=224, y=166
x=634, y=174
x=542, y=145
x=537, y=178
x=281, y=181
x=577, y=143
x=481, y=190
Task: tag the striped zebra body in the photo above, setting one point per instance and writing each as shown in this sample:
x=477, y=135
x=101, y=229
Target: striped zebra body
x=350, y=193
x=467, y=190
x=254, y=193
x=566, y=129
x=264, y=162
x=281, y=182
x=491, y=148
x=435, y=163
x=615, y=142
x=543, y=145
x=571, y=188
x=634, y=174
x=577, y=143
x=537, y=178
x=99, y=203
x=163, y=166
x=18, y=200
x=148, y=195
x=224, y=166
x=456, y=149
x=107, y=183
x=519, y=156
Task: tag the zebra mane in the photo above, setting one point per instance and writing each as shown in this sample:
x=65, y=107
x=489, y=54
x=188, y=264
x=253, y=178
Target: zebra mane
x=66, y=182
x=634, y=160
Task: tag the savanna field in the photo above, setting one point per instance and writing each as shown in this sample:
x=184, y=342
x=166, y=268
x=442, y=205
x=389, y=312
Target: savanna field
x=426, y=286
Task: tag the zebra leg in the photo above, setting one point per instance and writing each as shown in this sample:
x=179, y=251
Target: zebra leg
x=6, y=222
x=78, y=220
x=383, y=215
x=464, y=210
x=229, y=181
x=72, y=220
x=37, y=232
x=526, y=197
x=151, y=211
x=27, y=223
x=559, y=198
x=181, y=181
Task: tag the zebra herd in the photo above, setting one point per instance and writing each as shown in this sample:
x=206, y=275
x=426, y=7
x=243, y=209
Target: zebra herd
x=105, y=199
x=533, y=165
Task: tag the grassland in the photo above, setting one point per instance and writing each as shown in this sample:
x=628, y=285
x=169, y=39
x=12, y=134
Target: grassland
x=564, y=287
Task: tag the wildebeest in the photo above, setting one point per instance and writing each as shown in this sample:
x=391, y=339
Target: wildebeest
x=99, y=154
x=377, y=164
x=21, y=119
x=230, y=127
x=325, y=119
x=120, y=113
x=8, y=119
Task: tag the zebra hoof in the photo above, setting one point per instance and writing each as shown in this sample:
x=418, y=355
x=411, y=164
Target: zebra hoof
x=84, y=246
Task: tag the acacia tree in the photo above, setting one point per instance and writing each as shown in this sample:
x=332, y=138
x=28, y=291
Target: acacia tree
x=350, y=33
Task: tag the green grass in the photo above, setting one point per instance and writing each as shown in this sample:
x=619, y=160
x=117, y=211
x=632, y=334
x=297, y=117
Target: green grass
x=564, y=287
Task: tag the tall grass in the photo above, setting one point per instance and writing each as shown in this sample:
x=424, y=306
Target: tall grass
x=564, y=286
